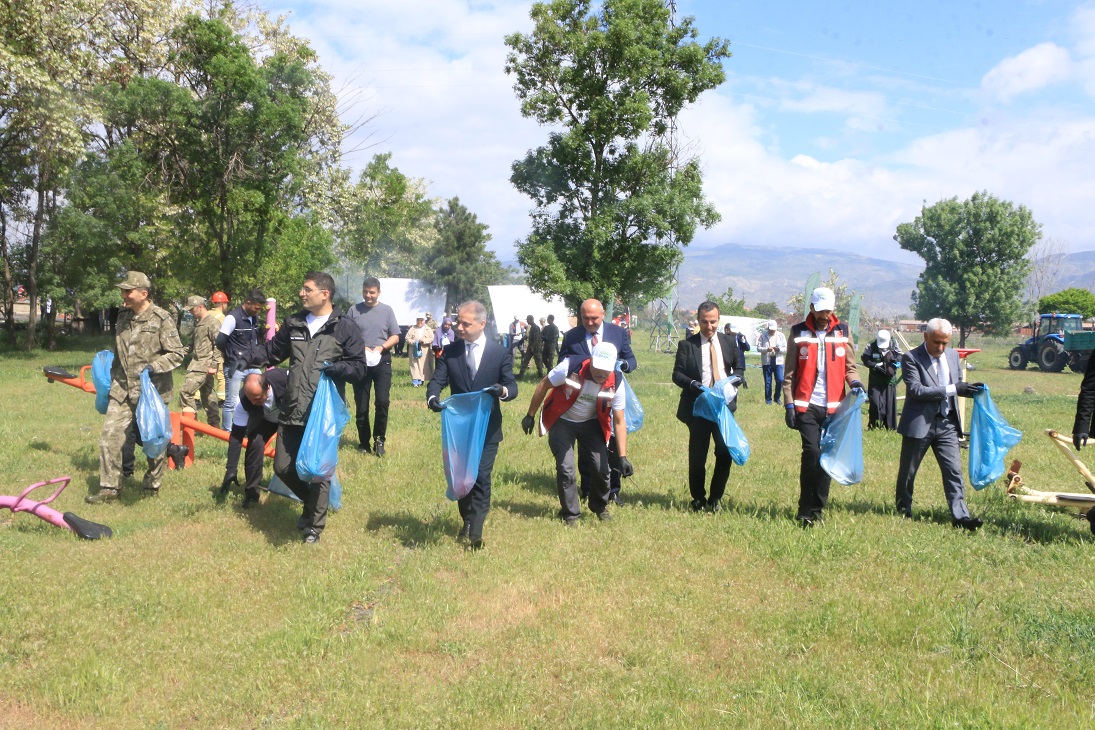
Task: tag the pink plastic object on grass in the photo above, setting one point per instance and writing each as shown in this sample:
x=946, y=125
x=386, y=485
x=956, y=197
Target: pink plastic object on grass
x=84, y=529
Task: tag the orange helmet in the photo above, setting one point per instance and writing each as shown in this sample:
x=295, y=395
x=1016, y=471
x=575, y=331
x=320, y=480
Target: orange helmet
x=220, y=297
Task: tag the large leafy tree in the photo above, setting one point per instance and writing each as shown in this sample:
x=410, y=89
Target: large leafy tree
x=728, y=305
x=974, y=253
x=614, y=204
x=460, y=262
x=1069, y=301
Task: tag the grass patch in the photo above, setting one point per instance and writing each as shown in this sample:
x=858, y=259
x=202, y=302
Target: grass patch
x=199, y=614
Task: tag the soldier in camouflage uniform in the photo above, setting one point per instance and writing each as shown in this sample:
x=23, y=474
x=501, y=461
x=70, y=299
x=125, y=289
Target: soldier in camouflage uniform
x=144, y=337
x=205, y=363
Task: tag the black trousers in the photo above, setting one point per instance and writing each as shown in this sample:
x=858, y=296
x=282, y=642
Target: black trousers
x=252, y=460
x=700, y=433
x=378, y=378
x=882, y=412
x=813, y=481
x=314, y=495
x=475, y=505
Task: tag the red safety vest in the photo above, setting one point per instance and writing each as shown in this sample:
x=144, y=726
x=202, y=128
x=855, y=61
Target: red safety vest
x=560, y=400
x=804, y=347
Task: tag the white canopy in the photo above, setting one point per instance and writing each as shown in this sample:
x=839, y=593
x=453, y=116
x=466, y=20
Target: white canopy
x=517, y=300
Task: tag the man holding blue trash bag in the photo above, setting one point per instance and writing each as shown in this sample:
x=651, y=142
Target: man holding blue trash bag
x=317, y=339
x=702, y=360
x=583, y=406
x=933, y=379
x=145, y=338
x=821, y=362
x=474, y=363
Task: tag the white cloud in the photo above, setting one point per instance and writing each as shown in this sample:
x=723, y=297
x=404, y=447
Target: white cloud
x=864, y=110
x=1035, y=68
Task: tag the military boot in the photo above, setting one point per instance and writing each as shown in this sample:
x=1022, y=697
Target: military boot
x=104, y=495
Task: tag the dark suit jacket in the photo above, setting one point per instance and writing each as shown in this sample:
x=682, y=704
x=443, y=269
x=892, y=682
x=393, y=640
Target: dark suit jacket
x=923, y=393
x=496, y=366
x=278, y=380
x=574, y=343
x=689, y=366
x=1085, y=402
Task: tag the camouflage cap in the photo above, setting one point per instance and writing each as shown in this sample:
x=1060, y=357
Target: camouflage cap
x=135, y=280
x=195, y=301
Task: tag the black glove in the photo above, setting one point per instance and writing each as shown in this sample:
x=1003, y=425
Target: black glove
x=968, y=390
x=626, y=470
x=791, y=419
x=696, y=387
x=622, y=364
x=337, y=370
x=857, y=385
x=527, y=424
x=737, y=380
x=1079, y=440
x=495, y=390
x=435, y=404
x=148, y=369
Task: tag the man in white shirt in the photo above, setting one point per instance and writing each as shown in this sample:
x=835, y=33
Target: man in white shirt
x=583, y=406
x=773, y=347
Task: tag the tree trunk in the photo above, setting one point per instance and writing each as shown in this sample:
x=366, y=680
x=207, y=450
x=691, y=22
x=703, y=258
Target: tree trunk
x=9, y=290
x=962, y=330
x=32, y=260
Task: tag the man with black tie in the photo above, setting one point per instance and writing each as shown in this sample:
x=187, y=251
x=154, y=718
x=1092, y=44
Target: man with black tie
x=579, y=342
x=472, y=363
x=930, y=418
x=701, y=360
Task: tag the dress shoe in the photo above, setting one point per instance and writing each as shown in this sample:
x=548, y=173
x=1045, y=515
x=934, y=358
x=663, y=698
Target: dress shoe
x=604, y=515
x=570, y=521
x=806, y=521
x=904, y=515
x=969, y=523
x=378, y=447
x=463, y=534
x=250, y=499
x=698, y=505
x=364, y=449
x=311, y=537
x=715, y=506
x=104, y=495
x=614, y=498
x=476, y=544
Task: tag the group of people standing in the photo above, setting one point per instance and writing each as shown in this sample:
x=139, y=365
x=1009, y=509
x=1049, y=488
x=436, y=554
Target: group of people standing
x=578, y=404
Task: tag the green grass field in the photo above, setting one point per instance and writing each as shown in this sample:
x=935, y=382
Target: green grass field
x=198, y=614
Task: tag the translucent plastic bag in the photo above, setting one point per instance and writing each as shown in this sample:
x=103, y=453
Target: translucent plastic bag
x=334, y=497
x=463, y=430
x=318, y=454
x=100, y=377
x=991, y=437
x=842, y=440
x=713, y=404
x=153, y=420
x=633, y=409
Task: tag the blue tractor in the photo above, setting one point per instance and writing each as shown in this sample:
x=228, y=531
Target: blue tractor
x=1047, y=346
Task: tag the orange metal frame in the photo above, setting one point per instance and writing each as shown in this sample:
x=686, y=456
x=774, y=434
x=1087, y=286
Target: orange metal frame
x=183, y=427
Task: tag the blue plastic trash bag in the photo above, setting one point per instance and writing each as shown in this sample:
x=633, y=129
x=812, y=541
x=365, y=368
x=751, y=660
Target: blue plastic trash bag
x=633, y=409
x=334, y=497
x=842, y=440
x=153, y=420
x=318, y=453
x=990, y=440
x=463, y=431
x=100, y=376
x=713, y=405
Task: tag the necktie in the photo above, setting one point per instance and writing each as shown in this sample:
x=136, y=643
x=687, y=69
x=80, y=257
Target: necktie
x=472, y=369
x=592, y=342
x=944, y=406
x=714, y=362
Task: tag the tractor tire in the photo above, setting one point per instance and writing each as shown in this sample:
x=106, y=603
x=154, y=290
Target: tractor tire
x=1052, y=357
x=1017, y=360
x=1077, y=361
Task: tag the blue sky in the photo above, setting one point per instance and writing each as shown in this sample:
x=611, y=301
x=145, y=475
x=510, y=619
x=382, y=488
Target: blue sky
x=837, y=119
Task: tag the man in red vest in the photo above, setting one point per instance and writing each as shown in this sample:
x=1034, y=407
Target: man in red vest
x=583, y=406
x=812, y=389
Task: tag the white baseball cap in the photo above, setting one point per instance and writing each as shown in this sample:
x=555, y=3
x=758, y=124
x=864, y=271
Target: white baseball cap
x=604, y=356
x=883, y=339
x=772, y=324
x=823, y=298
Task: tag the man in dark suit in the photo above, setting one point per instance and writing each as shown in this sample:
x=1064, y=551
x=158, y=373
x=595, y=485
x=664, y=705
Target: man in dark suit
x=579, y=343
x=255, y=417
x=701, y=360
x=930, y=418
x=472, y=363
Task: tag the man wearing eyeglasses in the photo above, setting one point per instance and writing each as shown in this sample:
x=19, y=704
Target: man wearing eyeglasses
x=319, y=338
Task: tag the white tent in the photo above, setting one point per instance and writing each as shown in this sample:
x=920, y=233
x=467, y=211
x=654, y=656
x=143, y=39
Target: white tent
x=517, y=300
x=751, y=327
x=410, y=298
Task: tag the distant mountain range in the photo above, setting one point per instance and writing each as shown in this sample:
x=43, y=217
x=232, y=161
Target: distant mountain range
x=768, y=274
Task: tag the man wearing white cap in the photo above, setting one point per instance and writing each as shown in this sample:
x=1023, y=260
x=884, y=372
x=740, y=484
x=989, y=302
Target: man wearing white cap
x=583, y=406
x=773, y=347
x=822, y=362
x=883, y=358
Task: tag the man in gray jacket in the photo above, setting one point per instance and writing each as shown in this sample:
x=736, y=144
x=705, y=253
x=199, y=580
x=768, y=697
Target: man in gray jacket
x=933, y=379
